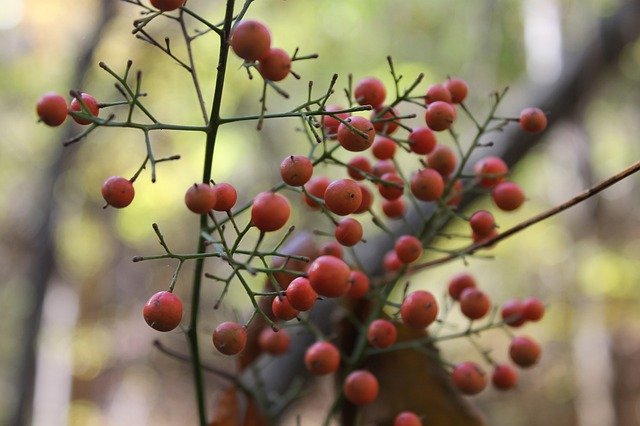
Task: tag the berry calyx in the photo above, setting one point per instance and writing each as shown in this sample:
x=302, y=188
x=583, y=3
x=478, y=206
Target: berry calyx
x=52, y=109
x=118, y=192
x=200, y=198
x=230, y=338
x=270, y=211
x=163, y=311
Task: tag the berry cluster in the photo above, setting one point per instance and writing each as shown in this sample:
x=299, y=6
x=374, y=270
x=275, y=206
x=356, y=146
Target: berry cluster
x=399, y=160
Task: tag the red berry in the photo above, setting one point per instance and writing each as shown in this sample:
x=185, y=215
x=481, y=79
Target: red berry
x=392, y=186
x=440, y=115
x=357, y=165
x=504, y=377
x=52, y=109
x=385, y=122
x=394, y=209
x=90, y=102
x=458, y=89
x=230, y=338
x=296, y=170
x=251, y=40
x=524, y=351
x=331, y=248
x=474, y=303
x=329, y=276
x=460, y=282
x=407, y=418
x=367, y=199
x=322, y=358
x=383, y=148
x=391, y=262
x=370, y=91
x=167, y=5
x=532, y=309
x=353, y=141
x=330, y=123
x=163, y=311
x=360, y=387
x=408, y=248
x=422, y=140
x=118, y=192
x=301, y=295
x=200, y=198
x=419, y=309
x=427, y=185
x=382, y=167
x=316, y=187
x=507, y=196
x=381, y=333
x=512, y=313
x=477, y=238
x=469, y=378
x=443, y=159
x=348, y=232
x=274, y=342
x=490, y=171
x=276, y=65
x=482, y=223
x=282, y=309
x=358, y=285
x=456, y=193
x=270, y=211
x=533, y=120
x=343, y=196
x=226, y=197
x=437, y=92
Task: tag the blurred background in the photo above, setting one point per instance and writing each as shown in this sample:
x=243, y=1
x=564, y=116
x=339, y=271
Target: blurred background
x=72, y=336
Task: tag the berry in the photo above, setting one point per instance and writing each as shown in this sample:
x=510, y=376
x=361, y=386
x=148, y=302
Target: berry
x=458, y=89
x=331, y=124
x=358, y=285
x=427, y=185
x=90, y=102
x=408, y=248
x=230, y=338
x=384, y=122
x=383, y=167
x=316, y=187
x=443, y=159
x=437, y=92
x=322, y=358
x=118, y=192
x=296, y=170
x=282, y=309
x=512, y=313
x=460, y=282
x=301, y=295
x=343, y=196
x=270, y=211
x=524, y=351
x=419, y=309
x=422, y=140
x=274, y=342
x=329, y=276
x=504, y=377
x=360, y=387
x=507, y=196
x=367, y=199
x=381, y=333
x=474, y=303
x=407, y=418
x=352, y=141
x=533, y=120
x=163, y=311
x=469, y=378
x=532, y=309
x=276, y=65
x=331, y=248
x=482, y=223
x=392, y=186
x=251, y=40
x=167, y=5
x=456, y=193
x=440, y=116
x=52, y=109
x=200, y=198
x=226, y=197
x=383, y=148
x=490, y=171
x=348, y=232
x=370, y=91
x=357, y=165
x=391, y=262
x=394, y=209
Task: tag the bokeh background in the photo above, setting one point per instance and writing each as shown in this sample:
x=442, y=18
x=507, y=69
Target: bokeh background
x=68, y=284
